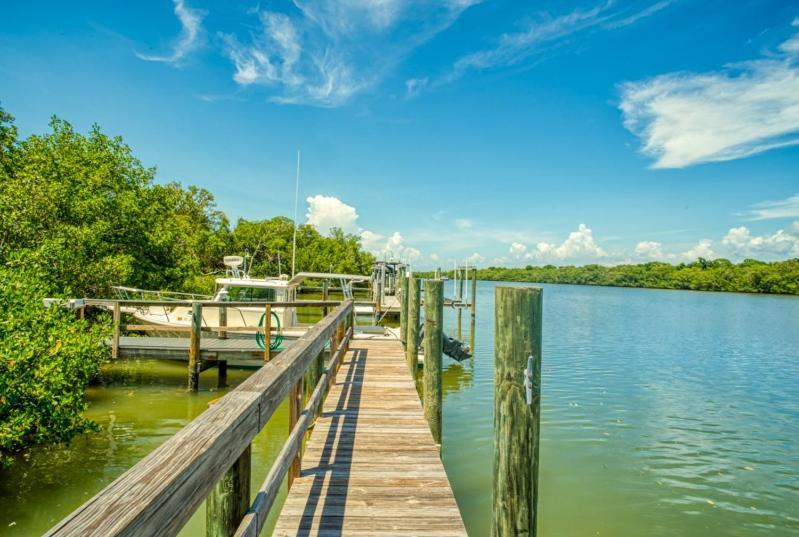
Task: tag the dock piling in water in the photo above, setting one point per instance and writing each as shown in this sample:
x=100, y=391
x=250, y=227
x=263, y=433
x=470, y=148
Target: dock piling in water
x=194, y=346
x=230, y=499
x=412, y=331
x=403, y=308
x=433, y=344
x=117, y=319
x=517, y=407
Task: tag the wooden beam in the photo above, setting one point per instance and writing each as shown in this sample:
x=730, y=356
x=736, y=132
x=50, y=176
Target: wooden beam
x=517, y=410
x=117, y=317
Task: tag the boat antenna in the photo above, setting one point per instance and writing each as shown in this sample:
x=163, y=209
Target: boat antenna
x=296, y=197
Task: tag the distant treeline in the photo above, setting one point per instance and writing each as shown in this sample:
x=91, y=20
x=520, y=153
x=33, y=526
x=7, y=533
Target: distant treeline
x=748, y=276
x=78, y=214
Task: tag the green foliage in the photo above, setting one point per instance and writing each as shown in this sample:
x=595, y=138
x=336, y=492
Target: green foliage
x=270, y=242
x=78, y=214
x=748, y=276
x=46, y=358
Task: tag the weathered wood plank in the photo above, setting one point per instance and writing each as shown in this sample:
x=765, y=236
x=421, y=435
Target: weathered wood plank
x=371, y=466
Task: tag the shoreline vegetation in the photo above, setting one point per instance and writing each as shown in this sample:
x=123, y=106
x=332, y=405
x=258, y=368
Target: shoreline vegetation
x=719, y=275
x=79, y=213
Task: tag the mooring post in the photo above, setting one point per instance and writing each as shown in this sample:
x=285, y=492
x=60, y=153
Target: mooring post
x=325, y=295
x=412, y=332
x=222, y=334
x=229, y=499
x=268, y=333
x=117, y=319
x=460, y=300
x=472, y=308
x=194, y=346
x=433, y=345
x=221, y=368
x=404, y=310
x=295, y=408
x=517, y=405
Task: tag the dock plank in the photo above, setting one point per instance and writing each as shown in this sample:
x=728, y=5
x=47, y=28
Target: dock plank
x=371, y=466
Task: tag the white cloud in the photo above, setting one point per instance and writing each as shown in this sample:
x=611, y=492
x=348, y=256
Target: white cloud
x=463, y=223
x=691, y=118
x=325, y=53
x=653, y=250
x=327, y=212
x=189, y=39
x=767, y=210
x=548, y=31
x=517, y=250
x=475, y=259
x=579, y=245
x=780, y=245
x=391, y=247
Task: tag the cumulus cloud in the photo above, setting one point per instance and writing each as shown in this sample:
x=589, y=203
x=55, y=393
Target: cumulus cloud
x=389, y=247
x=327, y=212
x=767, y=210
x=517, y=250
x=780, y=245
x=650, y=249
x=325, y=53
x=579, y=244
x=685, y=119
x=189, y=39
x=653, y=250
x=475, y=259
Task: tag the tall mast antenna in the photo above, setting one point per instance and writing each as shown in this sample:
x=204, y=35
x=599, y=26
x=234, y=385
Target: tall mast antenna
x=296, y=198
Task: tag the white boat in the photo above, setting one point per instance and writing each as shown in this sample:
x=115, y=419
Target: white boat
x=235, y=286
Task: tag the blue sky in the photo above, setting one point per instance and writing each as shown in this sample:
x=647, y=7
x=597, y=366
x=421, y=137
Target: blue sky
x=503, y=132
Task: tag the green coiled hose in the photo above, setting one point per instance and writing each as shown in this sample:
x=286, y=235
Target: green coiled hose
x=275, y=342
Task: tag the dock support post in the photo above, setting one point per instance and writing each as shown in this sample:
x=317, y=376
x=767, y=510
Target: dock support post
x=325, y=295
x=222, y=322
x=295, y=408
x=194, y=346
x=472, y=309
x=117, y=319
x=268, y=333
x=412, y=332
x=221, y=367
x=517, y=405
x=460, y=299
x=403, y=309
x=229, y=500
x=433, y=345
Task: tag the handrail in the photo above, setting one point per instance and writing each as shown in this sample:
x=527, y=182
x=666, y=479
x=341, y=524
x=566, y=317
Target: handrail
x=212, y=303
x=160, y=493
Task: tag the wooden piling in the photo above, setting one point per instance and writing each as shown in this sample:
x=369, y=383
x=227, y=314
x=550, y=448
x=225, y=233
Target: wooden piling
x=403, y=310
x=295, y=408
x=194, y=346
x=433, y=342
x=517, y=403
x=460, y=299
x=222, y=322
x=412, y=333
x=117, y=319
x=229, y=499
x=267, y=333
x=221, y=368
x=325, y=295
x=472, y=309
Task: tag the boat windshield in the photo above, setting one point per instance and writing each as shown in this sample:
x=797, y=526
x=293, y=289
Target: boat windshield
x=251, y=294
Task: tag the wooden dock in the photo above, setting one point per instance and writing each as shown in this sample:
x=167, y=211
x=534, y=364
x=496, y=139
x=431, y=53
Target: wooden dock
x=371, y=466
x=177, y=348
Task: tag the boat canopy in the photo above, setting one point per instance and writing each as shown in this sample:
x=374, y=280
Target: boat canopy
x=258, y=283
x=302, y=276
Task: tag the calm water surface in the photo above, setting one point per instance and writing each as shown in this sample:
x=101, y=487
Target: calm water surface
x=664, y=412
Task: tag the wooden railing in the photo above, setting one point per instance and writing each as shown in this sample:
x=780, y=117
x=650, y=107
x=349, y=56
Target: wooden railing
x=211, y=455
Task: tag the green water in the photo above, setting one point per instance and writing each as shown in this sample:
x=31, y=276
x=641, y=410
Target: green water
x=664, y=413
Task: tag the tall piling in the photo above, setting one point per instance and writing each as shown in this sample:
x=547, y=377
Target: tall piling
x=229, y=499
x=517, y=410
x=433, y=343
x=194, y=346
x=412, y=337
x=403, y=290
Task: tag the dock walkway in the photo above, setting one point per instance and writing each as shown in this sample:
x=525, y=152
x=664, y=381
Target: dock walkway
x=371, y=466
